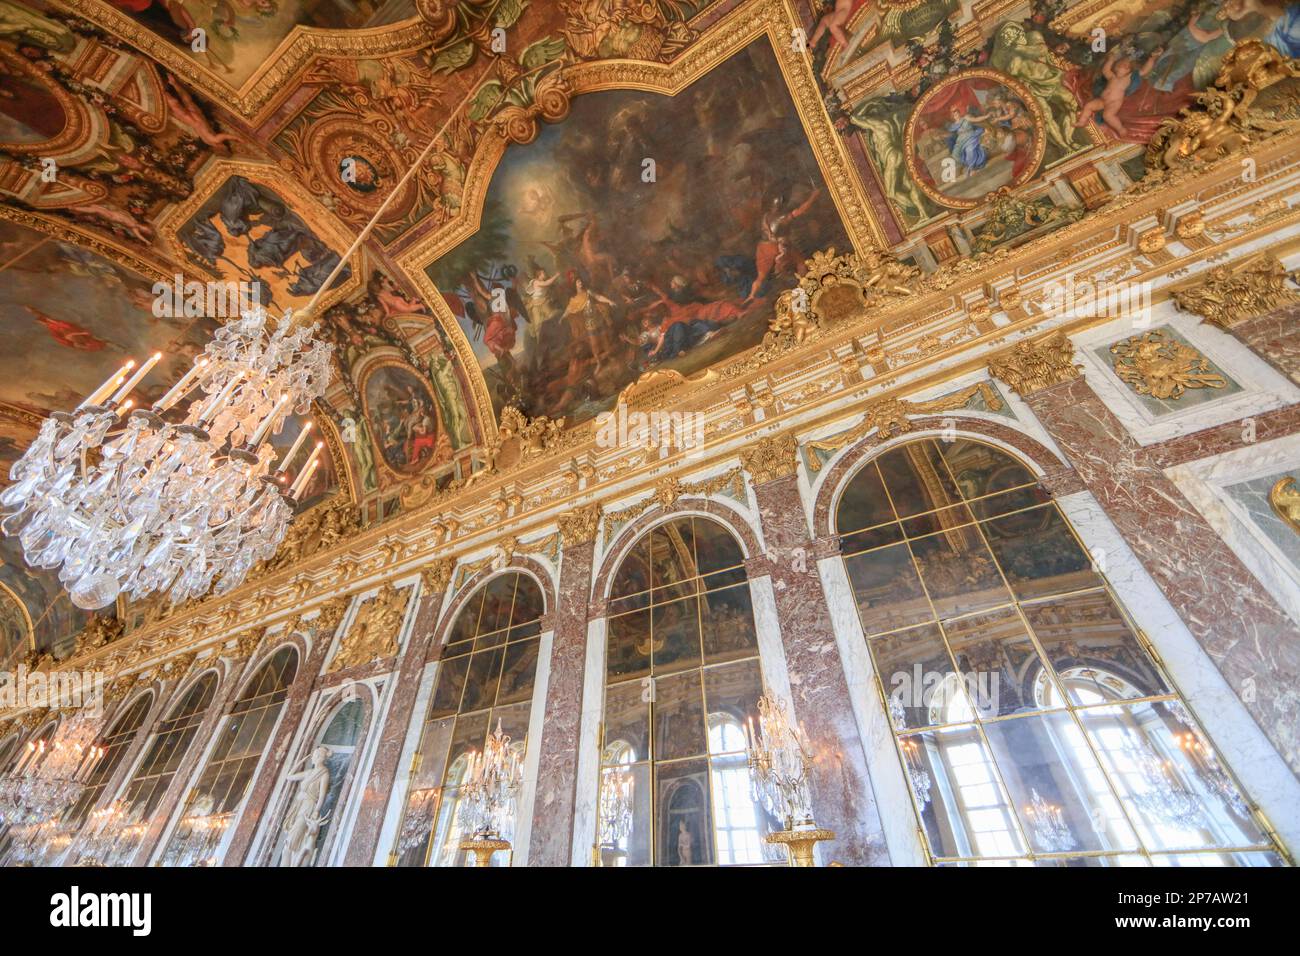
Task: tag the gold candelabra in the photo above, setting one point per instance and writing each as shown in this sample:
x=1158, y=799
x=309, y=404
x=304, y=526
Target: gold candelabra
x=779, y=764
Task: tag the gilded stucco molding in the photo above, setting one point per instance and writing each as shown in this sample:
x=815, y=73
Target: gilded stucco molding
x=580, y=526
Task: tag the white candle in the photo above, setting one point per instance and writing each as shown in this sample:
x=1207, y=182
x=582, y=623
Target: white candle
x=267, y=422
x=181, y=387
x=125, y=390
x=114, y=380
x=220, y=398
x=307, y=468
x=302, y=437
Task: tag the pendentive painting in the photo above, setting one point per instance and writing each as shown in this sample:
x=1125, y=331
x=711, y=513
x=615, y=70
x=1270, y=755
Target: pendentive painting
x=645, y=232
x=979, y=131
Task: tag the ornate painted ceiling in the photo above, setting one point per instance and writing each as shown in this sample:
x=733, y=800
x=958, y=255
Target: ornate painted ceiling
x=614, y=187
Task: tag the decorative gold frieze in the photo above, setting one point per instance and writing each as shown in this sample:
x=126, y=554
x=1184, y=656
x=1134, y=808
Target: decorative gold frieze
x=890, y=417
x=331, y=613
x=1156, y=365
x=1230, y=294
x=1284, y=498
x=373, y=634
x=771, y=458
x=580, y=525
x=1030, y=367
x=1225, y=118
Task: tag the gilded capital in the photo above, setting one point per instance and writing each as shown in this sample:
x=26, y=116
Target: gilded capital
x=1230, y=294
x=436, y=574
x=580, y=526
x=1030, y=367
x=771, y=458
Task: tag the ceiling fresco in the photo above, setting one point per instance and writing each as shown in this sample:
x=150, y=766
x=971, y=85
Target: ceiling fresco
x=610, y=189
x=980, y=125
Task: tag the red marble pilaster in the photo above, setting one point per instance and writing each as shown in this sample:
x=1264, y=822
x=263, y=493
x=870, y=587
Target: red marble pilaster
x=841, y=786
x=1274, y=337
x=1253, y=642
x=364, y=838
x=550, y=843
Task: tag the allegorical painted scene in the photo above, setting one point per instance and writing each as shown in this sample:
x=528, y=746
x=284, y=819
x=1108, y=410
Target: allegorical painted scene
x=946, y=110
x=644, y=232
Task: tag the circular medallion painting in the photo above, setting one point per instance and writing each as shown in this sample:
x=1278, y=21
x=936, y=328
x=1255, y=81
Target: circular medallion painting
x=972, y=134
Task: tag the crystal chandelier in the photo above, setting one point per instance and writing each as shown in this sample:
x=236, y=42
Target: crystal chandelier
x=143, y=500
x=33, y=796
x=488, y=788
x=113, y=834
x=778, y=763
x=1047, y=823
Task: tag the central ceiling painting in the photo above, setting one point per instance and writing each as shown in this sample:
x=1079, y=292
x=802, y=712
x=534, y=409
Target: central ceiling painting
x=645, y=232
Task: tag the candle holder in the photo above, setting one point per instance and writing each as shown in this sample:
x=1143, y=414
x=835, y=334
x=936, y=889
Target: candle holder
x=779, y=765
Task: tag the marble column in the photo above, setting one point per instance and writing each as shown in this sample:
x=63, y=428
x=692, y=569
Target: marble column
x=550, y=843
x=277, y=748
x=364, y=838
x=842, y=797
x=1253, y=642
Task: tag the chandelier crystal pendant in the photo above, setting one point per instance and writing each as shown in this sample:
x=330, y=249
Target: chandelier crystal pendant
x=127, y=500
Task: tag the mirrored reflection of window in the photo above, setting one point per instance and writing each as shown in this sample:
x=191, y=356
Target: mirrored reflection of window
x=168, y=748
x=682, y=679
x=1033, y=724
x=9, y=752
x=315, y=787
x=115, y=744
x=485, y=678
x=213, y=802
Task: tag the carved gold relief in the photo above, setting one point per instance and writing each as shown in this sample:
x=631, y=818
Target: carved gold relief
x=1156, y=365
x=373, y=634
x=1032, y=366
x=668, y=491
x=436, y=574
x=1230, y=294
x=1224, y=119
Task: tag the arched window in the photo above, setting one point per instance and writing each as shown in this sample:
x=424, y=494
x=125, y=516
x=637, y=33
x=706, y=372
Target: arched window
x=682, y=678
x=9, y=752
x=168, y=748
x=115, y=745
x=314, y=796
x=485, y=678
x=1033, y=723
x=213, y=801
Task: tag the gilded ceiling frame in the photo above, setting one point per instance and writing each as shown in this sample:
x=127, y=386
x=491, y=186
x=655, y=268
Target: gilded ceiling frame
x=734, y=32
x=257, y=95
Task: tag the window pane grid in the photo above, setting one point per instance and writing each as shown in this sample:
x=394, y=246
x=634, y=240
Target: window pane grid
x=431, y=830
x=1120, y=790
x=115, y=746
x=682, y=677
